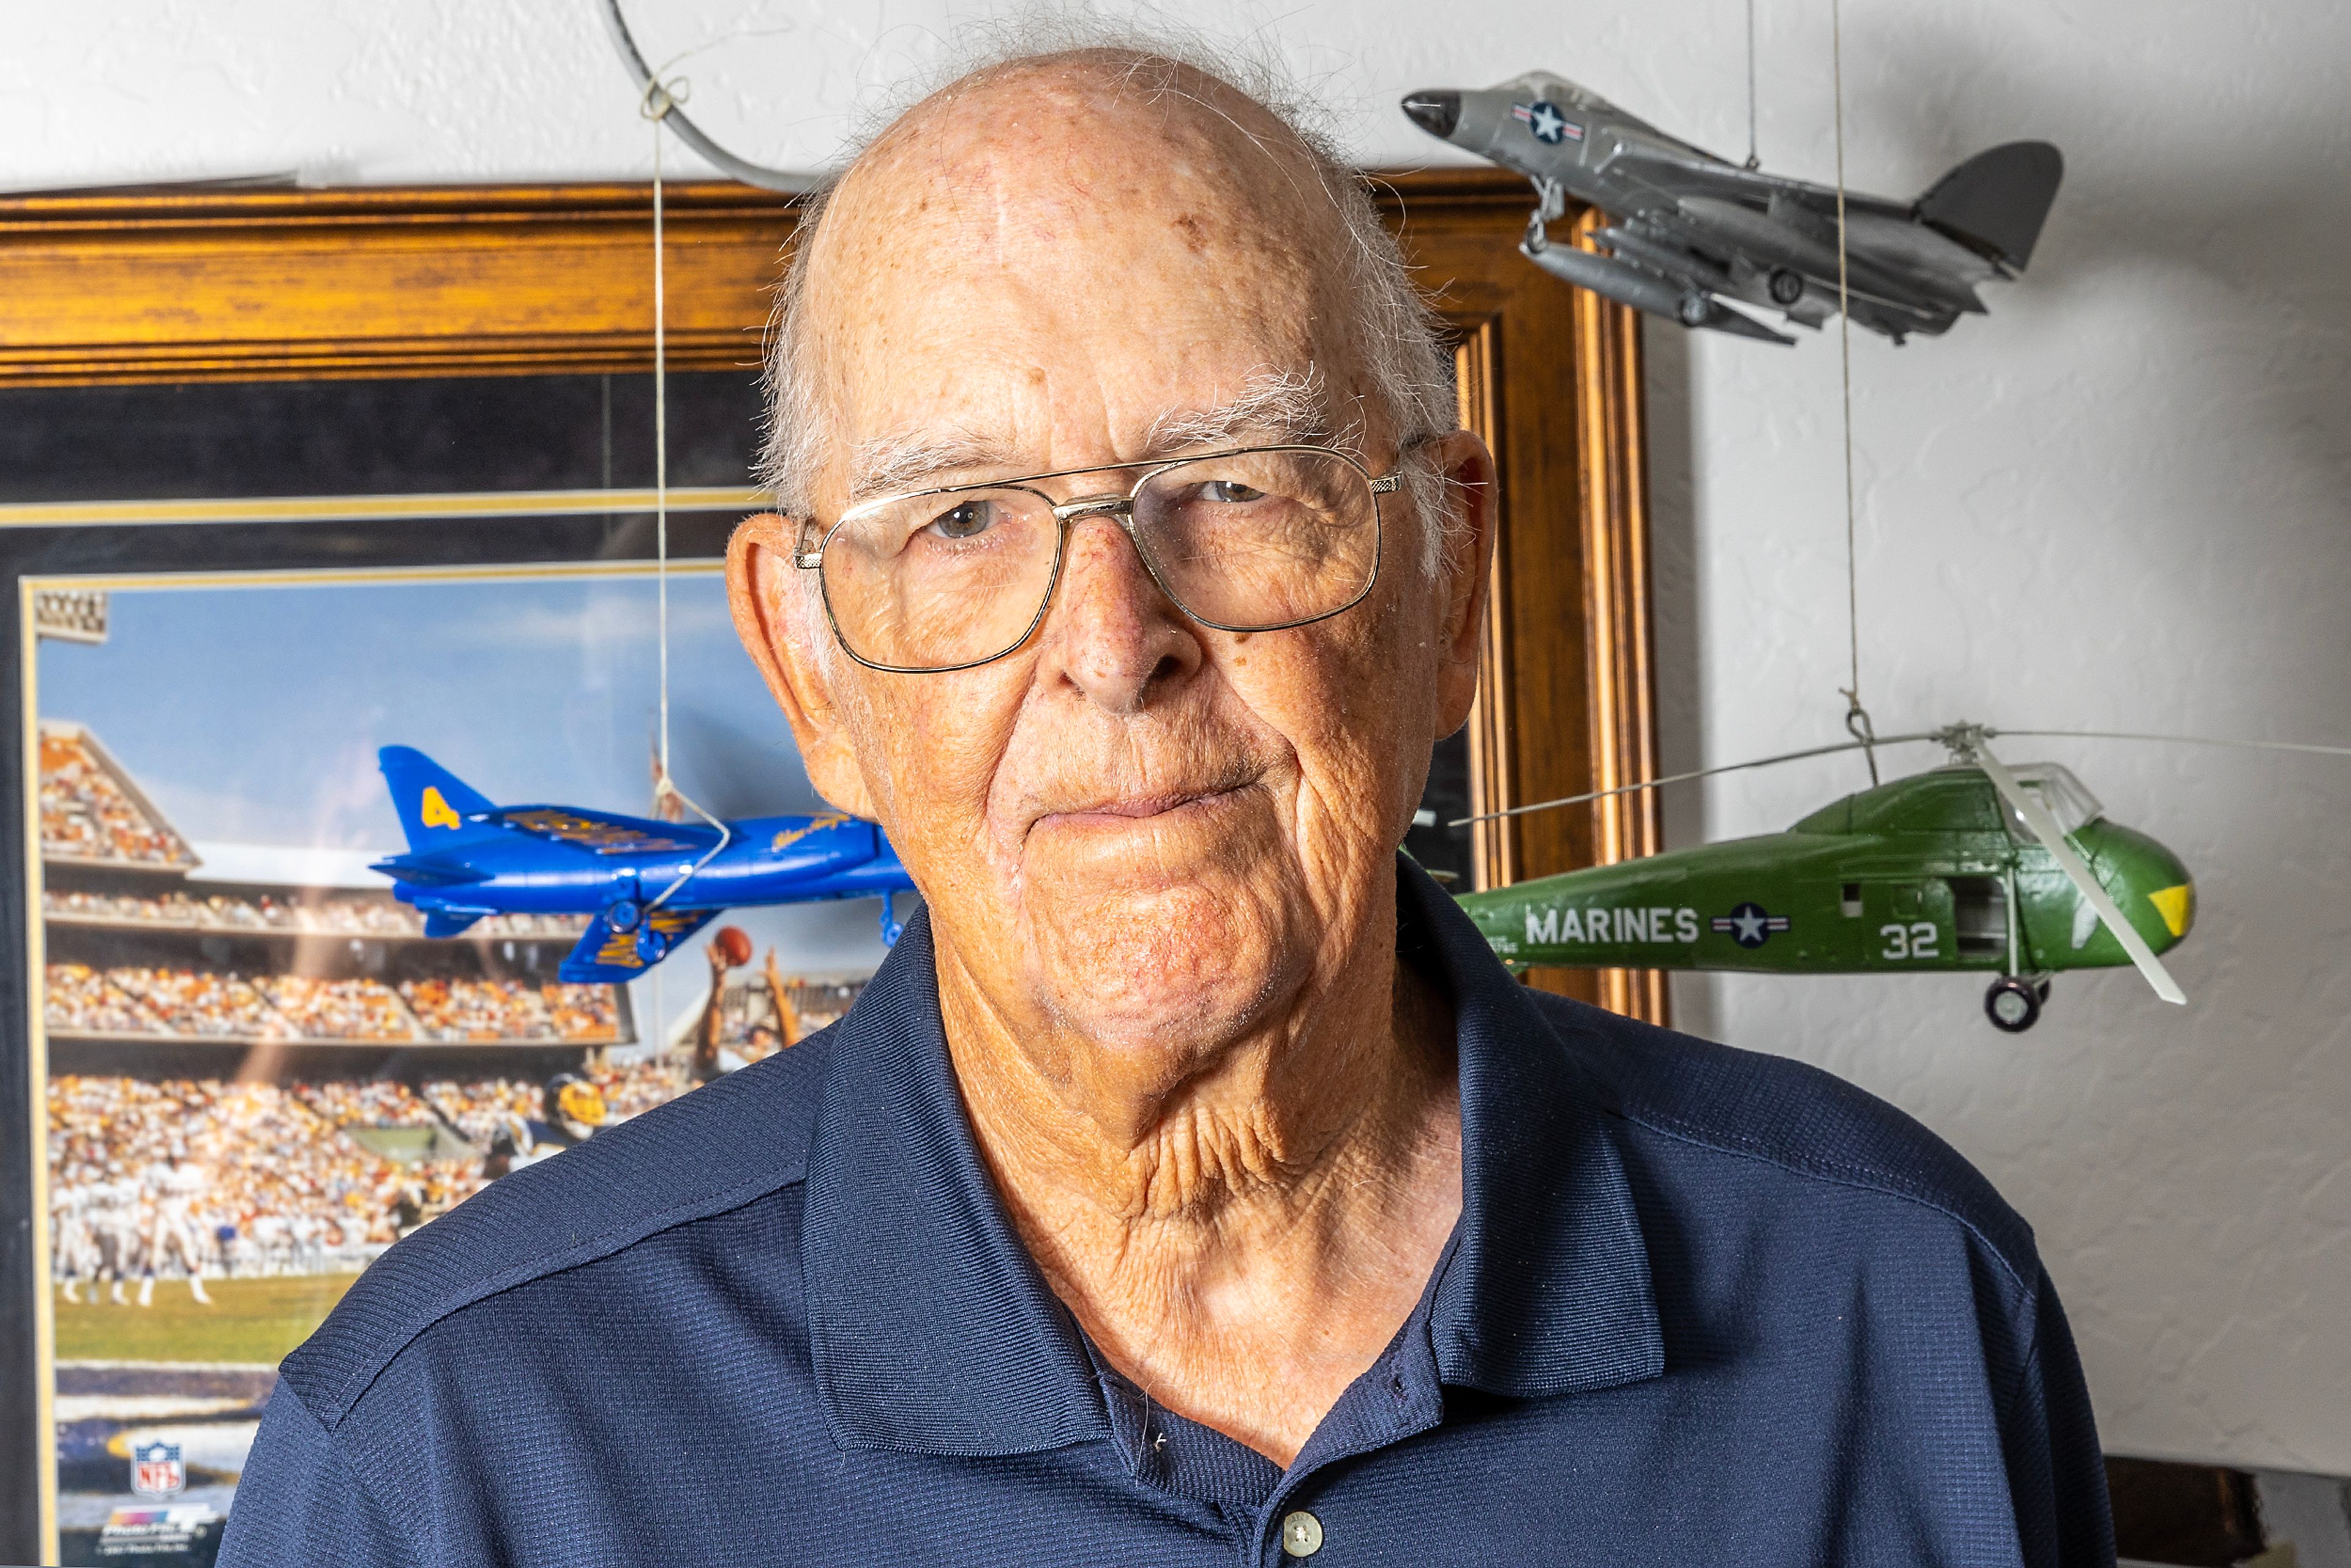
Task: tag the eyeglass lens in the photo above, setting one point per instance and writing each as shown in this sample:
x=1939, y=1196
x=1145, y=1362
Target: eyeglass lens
x=1251, y=541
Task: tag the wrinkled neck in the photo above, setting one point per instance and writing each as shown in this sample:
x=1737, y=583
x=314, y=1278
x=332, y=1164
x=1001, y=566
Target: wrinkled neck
x=1113, y=1160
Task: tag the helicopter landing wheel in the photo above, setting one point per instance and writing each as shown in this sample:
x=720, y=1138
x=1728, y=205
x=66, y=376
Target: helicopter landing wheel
x=1694, y=309
x=653, y=945
x=2014, y=1005
x=622, y=913
x=1786, y=286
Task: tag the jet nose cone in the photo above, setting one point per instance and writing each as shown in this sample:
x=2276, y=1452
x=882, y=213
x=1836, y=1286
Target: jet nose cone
x=1435, y=112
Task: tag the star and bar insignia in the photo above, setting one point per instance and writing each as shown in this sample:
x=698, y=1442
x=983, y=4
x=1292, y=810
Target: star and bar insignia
x=1750, y=925
x=1550, y=126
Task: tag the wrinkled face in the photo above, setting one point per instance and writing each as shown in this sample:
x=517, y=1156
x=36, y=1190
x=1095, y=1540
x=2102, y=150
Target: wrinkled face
x=1135, y=829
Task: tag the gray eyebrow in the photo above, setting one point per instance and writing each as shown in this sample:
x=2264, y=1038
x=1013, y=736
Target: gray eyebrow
x=891, y=465
x=1274, y=405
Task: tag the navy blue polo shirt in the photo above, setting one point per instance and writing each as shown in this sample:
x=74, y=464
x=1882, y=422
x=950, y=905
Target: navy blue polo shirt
x=1701, y=1307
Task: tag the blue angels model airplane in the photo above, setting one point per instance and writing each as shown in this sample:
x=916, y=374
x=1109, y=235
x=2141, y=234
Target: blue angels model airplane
x=650, y=885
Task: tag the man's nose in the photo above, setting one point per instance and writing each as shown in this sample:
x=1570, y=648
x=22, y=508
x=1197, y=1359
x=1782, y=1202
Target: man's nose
x=1114, y=634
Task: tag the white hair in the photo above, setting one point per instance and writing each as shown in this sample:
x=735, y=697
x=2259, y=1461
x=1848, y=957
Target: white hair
x=1407, y=363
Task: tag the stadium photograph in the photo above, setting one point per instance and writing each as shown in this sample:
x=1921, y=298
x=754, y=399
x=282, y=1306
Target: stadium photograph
x=261, y=1071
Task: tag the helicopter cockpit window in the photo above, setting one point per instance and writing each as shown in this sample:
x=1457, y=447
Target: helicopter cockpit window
x=2068, y=800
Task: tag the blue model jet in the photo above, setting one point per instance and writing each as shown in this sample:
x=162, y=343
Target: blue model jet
x=648, y=885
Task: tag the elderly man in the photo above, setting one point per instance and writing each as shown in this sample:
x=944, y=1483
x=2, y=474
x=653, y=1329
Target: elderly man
x=1191, y=1186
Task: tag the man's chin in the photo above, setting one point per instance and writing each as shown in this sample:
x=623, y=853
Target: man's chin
x=1152, y=961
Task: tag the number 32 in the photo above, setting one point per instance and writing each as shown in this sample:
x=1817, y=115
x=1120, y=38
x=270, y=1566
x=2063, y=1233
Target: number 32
x=1916, y=941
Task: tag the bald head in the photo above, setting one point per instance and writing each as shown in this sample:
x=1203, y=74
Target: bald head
x=1114, y=197
x=1086, y=134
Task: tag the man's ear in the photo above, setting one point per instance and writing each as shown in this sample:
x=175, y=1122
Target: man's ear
x=1463, y=571
x=780, y=621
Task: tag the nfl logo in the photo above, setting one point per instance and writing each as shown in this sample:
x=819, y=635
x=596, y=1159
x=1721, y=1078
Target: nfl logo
x=157, y=1470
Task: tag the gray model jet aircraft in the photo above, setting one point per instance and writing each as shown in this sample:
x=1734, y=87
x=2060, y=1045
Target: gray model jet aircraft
x=1691, y=229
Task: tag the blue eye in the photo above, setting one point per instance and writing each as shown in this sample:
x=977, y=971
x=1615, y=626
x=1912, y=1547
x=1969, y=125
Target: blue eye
x=1231, y=491
x=967, y=520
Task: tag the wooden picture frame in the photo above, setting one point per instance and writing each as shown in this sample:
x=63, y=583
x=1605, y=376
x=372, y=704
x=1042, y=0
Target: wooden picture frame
x=244, y=285
x=1550, y=377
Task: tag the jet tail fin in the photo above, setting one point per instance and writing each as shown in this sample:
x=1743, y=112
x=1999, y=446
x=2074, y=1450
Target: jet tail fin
x=436, y=808
x=1996, y=200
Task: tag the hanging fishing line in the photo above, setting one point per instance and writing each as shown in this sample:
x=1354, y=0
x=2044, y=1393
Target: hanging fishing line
x=1856, y=718
x=659, y=99
x=1753, y=161
x=660, y=425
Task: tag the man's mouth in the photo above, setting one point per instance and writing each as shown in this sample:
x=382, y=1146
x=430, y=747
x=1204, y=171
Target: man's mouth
x=1129, y=809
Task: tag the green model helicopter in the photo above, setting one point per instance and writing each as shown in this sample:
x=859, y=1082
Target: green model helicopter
x=1973, y=865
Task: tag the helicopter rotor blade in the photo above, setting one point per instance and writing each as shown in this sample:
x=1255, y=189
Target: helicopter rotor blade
x=2069, y=861
x=1696, y=773
x=2179, y=740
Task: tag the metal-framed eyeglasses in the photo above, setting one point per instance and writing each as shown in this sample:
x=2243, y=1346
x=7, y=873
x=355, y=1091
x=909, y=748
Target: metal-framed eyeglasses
x=1258, y=538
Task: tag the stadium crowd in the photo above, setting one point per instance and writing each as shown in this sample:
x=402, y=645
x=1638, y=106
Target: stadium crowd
x=217, y=1005
x=195, y=1177
x=511, y=1009
x=86, y=814
x=337, y=1009
x=82, y=999
x=200, y=1001
x=480, y=1109
x=356, y=917
x=267, y=1182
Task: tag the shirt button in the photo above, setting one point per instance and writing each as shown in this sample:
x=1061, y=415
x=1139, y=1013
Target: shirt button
x=1302, y=1534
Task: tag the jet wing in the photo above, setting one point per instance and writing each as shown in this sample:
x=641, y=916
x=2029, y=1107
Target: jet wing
x=1673, y=178
x=608, y=832
x=606, y=956
x=1788, y=236
x=1889, y=234
x=1908, y=245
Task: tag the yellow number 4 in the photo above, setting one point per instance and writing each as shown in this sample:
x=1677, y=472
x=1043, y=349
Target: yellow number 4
x=434, y=812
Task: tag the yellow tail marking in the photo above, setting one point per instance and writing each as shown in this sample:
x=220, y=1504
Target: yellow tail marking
x=434, y=812
x=2176, y=905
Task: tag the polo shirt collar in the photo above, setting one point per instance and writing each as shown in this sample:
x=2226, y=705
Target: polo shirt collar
x=929, y=1325
x=1547, y=1290
x=931, y=1330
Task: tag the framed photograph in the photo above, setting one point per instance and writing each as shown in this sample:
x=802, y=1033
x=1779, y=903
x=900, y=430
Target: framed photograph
x=260, y=1067
x=288, y=478
x=246, y=1065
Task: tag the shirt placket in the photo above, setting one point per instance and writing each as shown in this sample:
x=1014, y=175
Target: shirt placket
x=1310, y=1519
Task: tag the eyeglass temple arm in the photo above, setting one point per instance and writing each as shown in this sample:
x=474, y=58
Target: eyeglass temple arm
x=807, y=547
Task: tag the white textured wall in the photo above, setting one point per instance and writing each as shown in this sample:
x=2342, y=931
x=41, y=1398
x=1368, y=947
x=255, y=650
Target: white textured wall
x=2117, y=502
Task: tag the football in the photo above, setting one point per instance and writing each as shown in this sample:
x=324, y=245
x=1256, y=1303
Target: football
x=736, y=943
